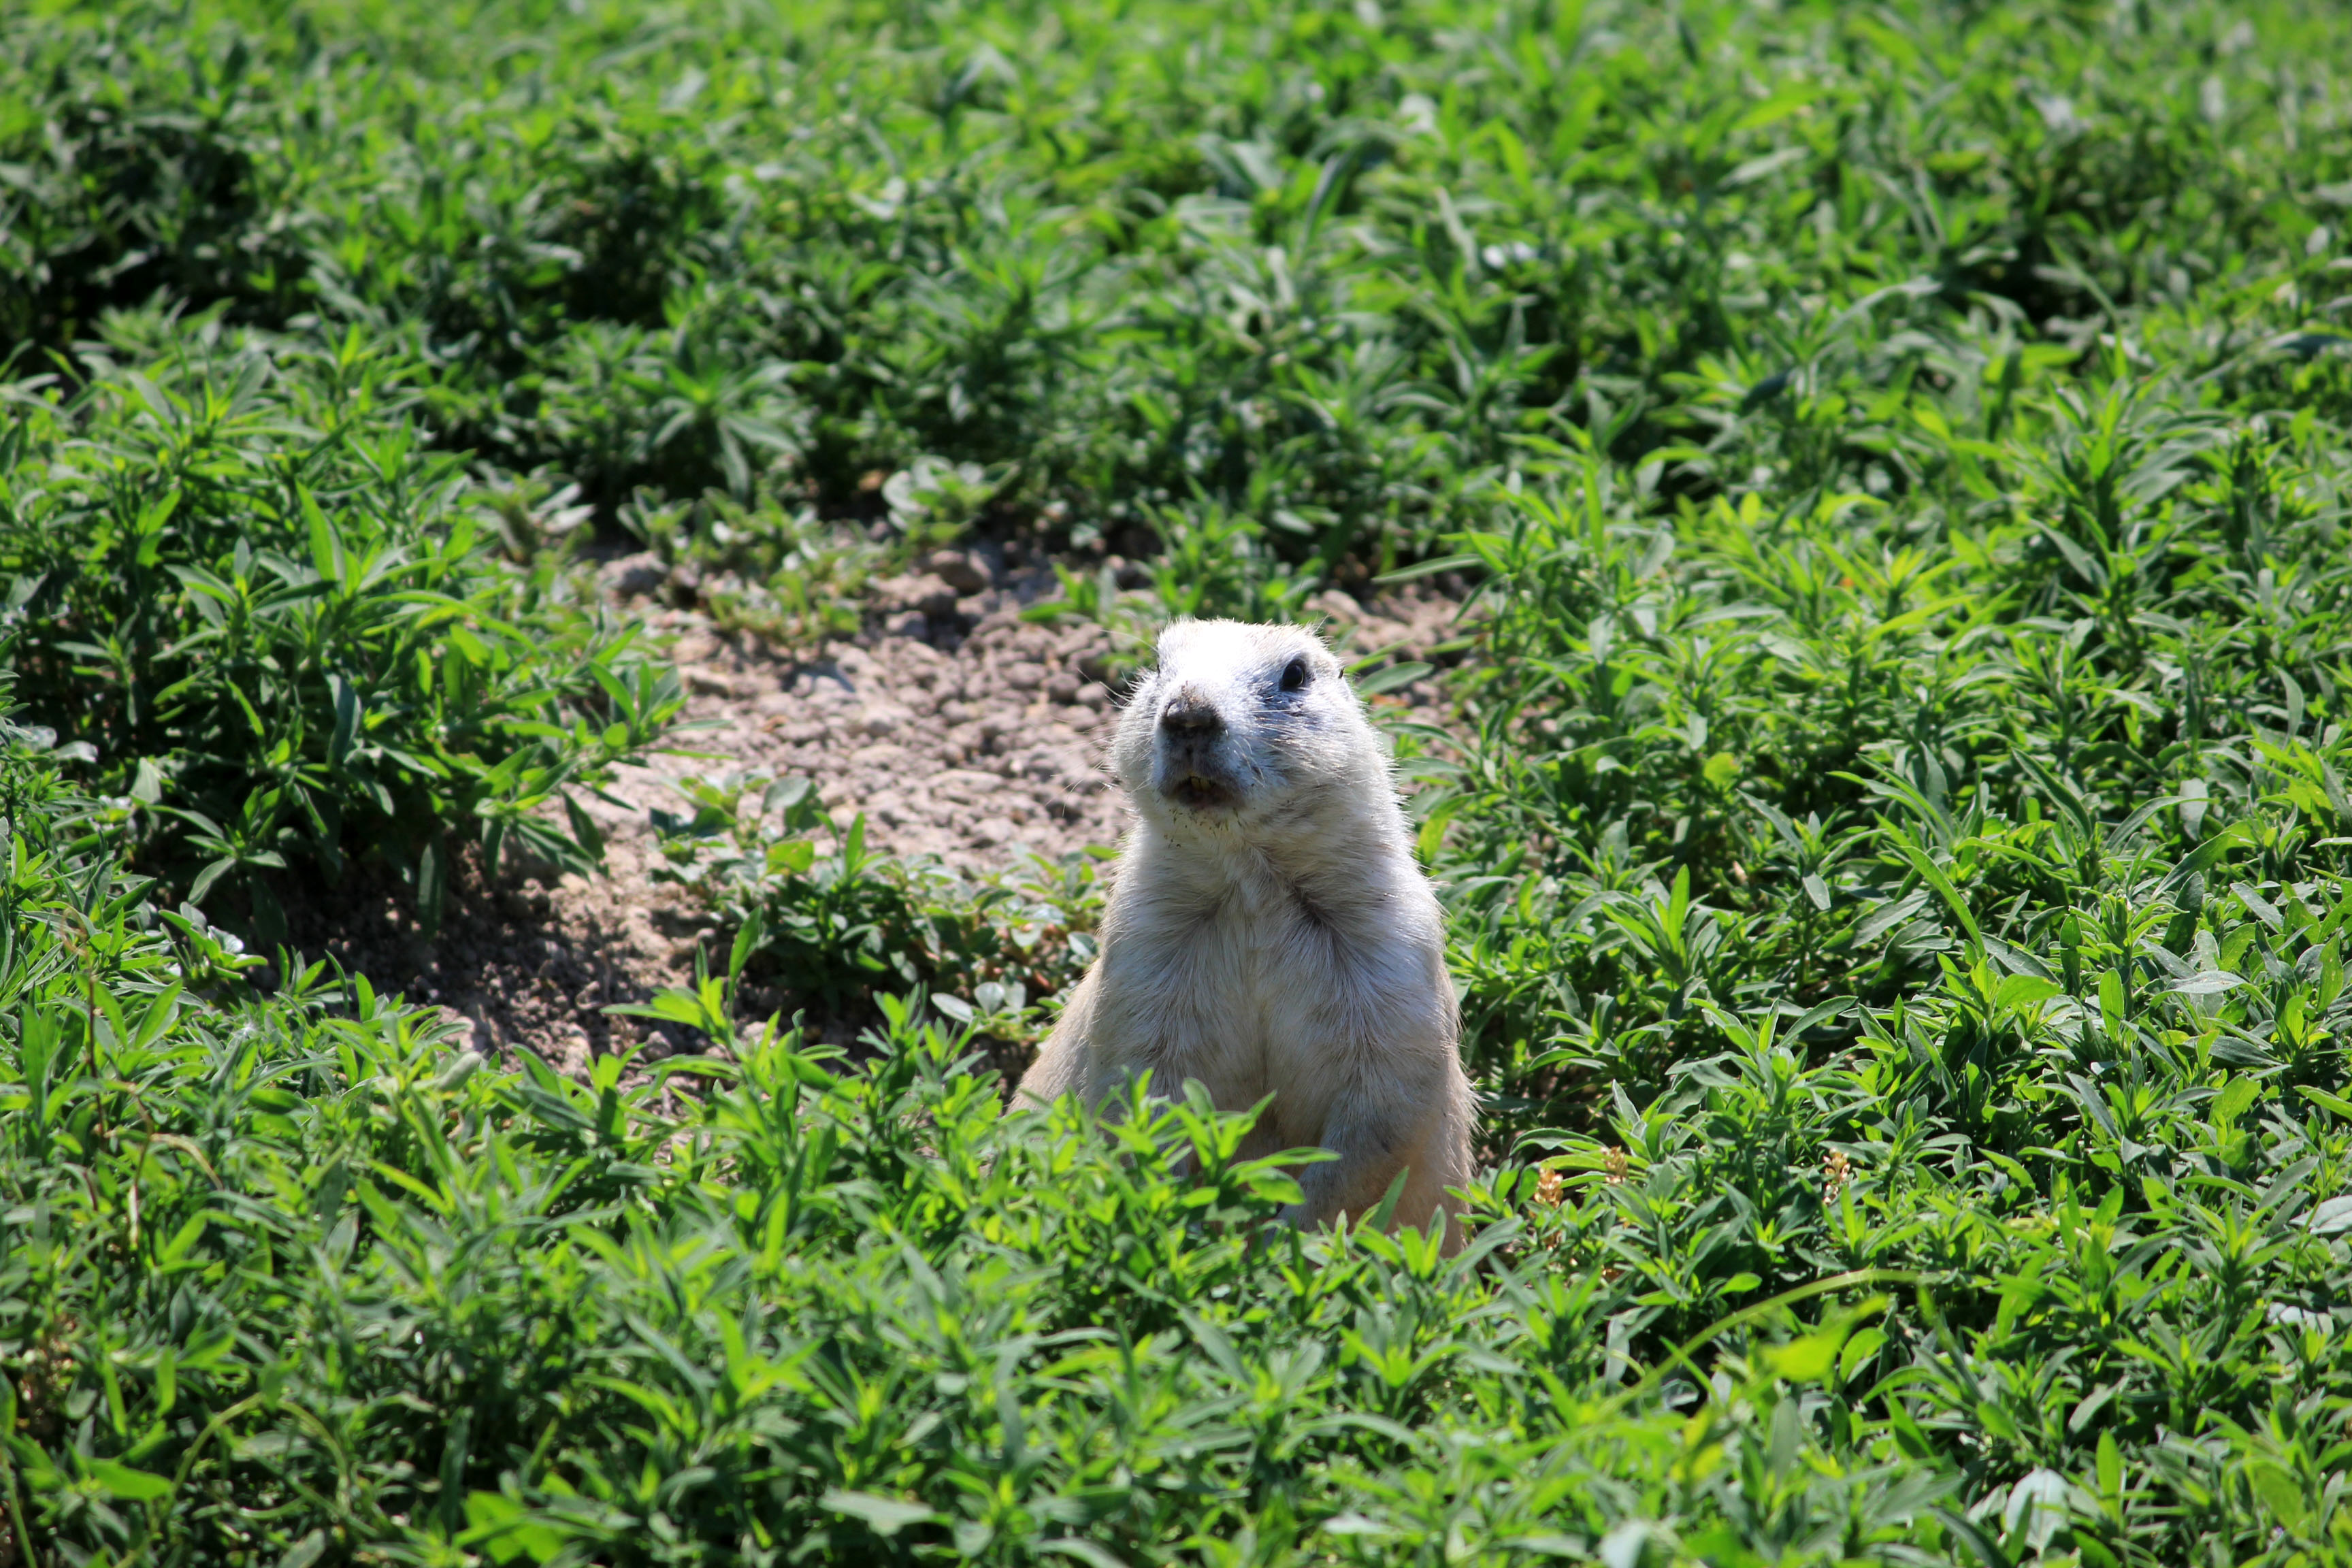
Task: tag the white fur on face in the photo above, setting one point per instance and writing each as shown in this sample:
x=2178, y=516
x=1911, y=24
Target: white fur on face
x=1237, y=722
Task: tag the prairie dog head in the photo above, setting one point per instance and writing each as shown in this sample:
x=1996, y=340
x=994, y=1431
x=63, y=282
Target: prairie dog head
x=1248, y=730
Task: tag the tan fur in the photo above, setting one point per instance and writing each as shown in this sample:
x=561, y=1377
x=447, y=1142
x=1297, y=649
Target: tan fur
x=1269, y=932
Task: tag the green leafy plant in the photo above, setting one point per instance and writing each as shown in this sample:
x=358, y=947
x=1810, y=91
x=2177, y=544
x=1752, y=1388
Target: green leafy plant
x=829, y=920
x=782, y=574
x=288, y=636
x=933, y=502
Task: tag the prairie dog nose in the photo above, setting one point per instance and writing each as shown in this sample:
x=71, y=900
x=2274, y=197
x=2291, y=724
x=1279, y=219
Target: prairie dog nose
x=1191, y=717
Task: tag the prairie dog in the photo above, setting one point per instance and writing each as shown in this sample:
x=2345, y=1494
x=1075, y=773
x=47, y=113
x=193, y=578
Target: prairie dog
x=1269, y=932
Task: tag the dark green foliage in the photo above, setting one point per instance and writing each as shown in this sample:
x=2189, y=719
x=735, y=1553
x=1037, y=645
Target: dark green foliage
x=371, y=1297
x=1740, y=754
x=279, y=627
x=830, y=920
x=1897, y=859
x=1321, y=271
x=293, y=1279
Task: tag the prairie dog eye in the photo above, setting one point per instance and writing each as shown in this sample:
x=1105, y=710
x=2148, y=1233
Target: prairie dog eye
x=1294, y=674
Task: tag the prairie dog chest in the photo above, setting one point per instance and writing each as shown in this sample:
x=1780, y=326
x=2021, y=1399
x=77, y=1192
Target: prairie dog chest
x=1243, y=986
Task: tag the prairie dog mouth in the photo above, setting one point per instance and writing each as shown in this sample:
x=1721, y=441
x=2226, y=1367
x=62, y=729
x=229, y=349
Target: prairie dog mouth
x=1200, y=792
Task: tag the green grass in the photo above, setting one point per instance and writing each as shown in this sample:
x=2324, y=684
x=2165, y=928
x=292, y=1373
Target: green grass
x=1895, y=835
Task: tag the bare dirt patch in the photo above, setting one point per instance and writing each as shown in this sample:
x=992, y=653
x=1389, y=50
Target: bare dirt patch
x=959, y=729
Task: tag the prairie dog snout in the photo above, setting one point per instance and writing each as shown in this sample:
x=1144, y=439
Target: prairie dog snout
x=1192, y=768
x=1269, y=932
